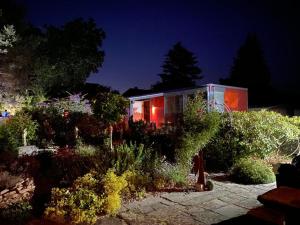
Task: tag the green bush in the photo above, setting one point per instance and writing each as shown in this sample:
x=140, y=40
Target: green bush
x=113, y=186
x=264, y=131
x=85, y=149
x=199, y=126
x=11, y=132
x=171, y=174
x=252, y=171
x=132, y=157
x=224, y=148
x=254, y=133
x=17, y=213
x=137, y=182
x=77, y=206
x=88, y=198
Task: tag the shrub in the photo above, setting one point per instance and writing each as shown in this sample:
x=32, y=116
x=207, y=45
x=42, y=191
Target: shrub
x=264, y=131
x=255, y=133
x=88, y=181
x=172, y=175
x=113, y=185
x=224, y=148
x=17, y=213
x=128, y=157
x=7, y=180
x=199, y=126
x=137, y=181
x=12, y=131
x=252, y=171
x=90, y=129
x=61, y=129
x=76, y=205
x=85, y=149
x=138, y=132
x=86, y=199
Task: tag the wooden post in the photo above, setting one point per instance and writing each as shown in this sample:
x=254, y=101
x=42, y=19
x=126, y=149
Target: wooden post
x=24, y=137
x=111, y=137
x=201, y=177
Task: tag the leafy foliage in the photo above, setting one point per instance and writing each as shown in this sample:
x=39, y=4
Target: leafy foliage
x=60, y=128
x=128, y=157
x=11, y=132
x=199, y=126
x=254, y=133
x=168, y=173
x=110, y=107
x=137, y=181
x=113, y=185
x=179, y=70
x=84, y=201
x=17, y=213
x=85, y=149
x=53, y=59
x=7, y=38
x=252, y=171
x=67, y=55
x=77, y=206
x=73, y=104
x=264, y=131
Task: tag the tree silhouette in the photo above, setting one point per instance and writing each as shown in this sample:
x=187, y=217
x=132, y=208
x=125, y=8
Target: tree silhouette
x=180, y=70
x=67, y=56
x=250, y=70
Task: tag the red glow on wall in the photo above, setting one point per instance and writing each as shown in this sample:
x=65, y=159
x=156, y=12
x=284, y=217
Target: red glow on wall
x=236, y=99
x=157, y=111
x=153, y=110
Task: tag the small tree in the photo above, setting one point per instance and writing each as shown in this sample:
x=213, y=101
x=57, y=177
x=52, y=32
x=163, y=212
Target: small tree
x=110, y=108
x=199, y=126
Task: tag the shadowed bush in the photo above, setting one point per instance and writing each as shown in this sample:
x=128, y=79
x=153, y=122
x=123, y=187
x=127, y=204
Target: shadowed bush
x=252, y=171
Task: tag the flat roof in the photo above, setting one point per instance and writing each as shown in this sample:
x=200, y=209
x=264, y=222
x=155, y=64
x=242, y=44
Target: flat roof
x=159, y=94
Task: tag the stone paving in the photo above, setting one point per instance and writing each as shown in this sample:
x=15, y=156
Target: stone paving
x=226, y=201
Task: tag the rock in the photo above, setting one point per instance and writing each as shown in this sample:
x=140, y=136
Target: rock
x=23, y=191
x=15, y=196
x=18, y=189
x=28, y=150
x=4, y=191
x=9, y=194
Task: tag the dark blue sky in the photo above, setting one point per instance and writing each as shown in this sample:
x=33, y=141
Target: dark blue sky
x=140, y=32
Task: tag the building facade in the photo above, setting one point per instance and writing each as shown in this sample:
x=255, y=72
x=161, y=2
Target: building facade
x=167, y=107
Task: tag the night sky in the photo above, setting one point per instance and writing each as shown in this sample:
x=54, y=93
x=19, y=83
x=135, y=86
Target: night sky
x=140, y=32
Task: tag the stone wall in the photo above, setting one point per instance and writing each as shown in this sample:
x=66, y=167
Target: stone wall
x=23, y=190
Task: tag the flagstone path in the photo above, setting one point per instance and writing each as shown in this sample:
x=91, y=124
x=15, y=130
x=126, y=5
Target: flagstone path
x=226, y=201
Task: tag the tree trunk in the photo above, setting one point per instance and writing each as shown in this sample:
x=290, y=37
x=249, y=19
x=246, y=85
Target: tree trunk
x=111, y=137
x=201, y=177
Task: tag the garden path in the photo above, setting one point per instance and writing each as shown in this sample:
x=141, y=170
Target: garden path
x=225, y=203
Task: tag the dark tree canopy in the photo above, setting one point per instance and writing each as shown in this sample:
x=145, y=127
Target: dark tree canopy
x=180, y=70
x=249, y=68
x=12, y=14
x=67, y=55
x=54, y=60
x=135, y=92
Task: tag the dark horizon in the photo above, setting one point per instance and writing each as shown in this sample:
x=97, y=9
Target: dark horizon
x=139, y=34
